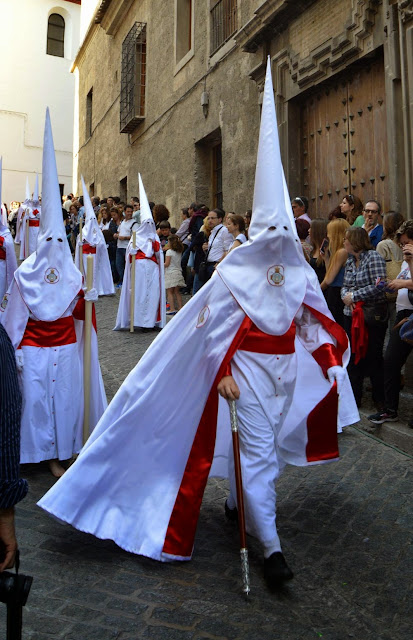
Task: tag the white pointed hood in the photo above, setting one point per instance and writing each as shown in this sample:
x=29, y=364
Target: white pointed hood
x=48, y=280
x=28, y=194
x=36, y=190
x=3, y=213
x=90, y=232
x=268, y=275
x=146, y=232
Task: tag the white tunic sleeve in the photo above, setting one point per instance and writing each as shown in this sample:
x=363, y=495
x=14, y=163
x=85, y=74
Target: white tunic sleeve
x=14, y=315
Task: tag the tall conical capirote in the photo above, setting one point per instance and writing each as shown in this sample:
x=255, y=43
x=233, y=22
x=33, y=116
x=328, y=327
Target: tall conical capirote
x=91, y=232
x=268, y=275
x=28, y=193
x=146, y=232
x=36, y=189
x=48, y=280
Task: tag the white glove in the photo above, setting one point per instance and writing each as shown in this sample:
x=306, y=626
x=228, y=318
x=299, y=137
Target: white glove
x=91, y=295
x=19, y=360
x=133, y=251
x=336, y=374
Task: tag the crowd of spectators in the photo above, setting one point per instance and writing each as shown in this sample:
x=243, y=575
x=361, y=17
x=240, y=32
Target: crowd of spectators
x=362, y=258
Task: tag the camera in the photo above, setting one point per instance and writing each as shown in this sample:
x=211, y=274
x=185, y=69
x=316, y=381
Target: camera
x=14, y=588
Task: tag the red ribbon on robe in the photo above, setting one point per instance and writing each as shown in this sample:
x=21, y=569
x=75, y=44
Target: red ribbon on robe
x=49, y=334
x=88, y=249
x=34, y=223
x=2, y=251
x=141, y=256
x=79, y=310
x=359, y=333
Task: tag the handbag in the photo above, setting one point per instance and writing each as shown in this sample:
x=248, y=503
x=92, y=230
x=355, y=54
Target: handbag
x=202, y=271
x=393, y=268
x=191, y=260
x=406, y=330
x=376, y=313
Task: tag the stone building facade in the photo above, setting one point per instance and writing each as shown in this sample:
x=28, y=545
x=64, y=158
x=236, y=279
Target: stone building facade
x=172, y=90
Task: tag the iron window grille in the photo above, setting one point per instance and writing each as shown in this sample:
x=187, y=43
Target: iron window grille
x=133, y=78
x=56, y=36
x=223, y=22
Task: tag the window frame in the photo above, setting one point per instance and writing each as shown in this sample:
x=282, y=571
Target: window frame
x=50, y=39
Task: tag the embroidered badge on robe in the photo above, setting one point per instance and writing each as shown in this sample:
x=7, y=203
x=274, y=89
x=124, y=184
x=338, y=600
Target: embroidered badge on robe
x=52, y=276
x=202, y=317
x=275, y=275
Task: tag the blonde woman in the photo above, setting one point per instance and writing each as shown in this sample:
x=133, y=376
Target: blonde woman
x=317, y=234
x=335, y=258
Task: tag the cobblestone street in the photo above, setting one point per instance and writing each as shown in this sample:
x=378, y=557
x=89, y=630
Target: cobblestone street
x=346, y=530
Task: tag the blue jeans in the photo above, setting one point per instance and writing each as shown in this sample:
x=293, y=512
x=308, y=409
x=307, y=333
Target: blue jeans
x=197, y=284
x=120, y=263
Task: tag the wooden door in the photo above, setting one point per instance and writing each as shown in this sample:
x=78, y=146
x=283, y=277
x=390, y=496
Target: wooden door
x=344, y=142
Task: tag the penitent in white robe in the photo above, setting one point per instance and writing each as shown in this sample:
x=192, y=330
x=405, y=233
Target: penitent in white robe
x=33, y=214
x=150, y=305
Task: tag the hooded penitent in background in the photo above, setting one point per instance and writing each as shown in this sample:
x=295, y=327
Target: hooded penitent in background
x=263, y=314
x=149, y=299
x=93, y=243
x=43, y=315
x=21, y=214
x=31, y=213
x=8, y=262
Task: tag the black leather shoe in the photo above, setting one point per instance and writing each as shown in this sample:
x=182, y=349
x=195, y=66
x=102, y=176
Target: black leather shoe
x=276, y=570
x=231, y=514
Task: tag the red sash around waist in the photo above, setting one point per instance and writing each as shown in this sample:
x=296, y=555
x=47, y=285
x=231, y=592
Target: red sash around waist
x=49, y=334
x=259, y=342
x=2, y=254
x=33, y=223
x=88, y=249
x=141, y=256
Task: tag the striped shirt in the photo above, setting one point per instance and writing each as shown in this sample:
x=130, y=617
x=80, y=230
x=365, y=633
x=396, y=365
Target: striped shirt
x=361, y=280
x=12, y=487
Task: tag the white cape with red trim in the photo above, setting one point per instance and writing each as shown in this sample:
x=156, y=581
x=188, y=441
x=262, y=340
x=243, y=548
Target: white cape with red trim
x=140, y=478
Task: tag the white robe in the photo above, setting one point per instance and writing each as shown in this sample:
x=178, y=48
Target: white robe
x=9, y=265
x=155, y=436
x=33, y=233
x=102, y=273
x=52, y=383
x=150, y=305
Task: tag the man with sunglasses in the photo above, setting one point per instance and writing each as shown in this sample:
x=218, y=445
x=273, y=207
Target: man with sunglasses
x=371, y=212
x=299, y=206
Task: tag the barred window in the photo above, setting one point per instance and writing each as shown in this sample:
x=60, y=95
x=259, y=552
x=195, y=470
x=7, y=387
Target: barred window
x=133, y=78
x=223, y=22
x=183, y=28
x=56, y=35
x=89, y=113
